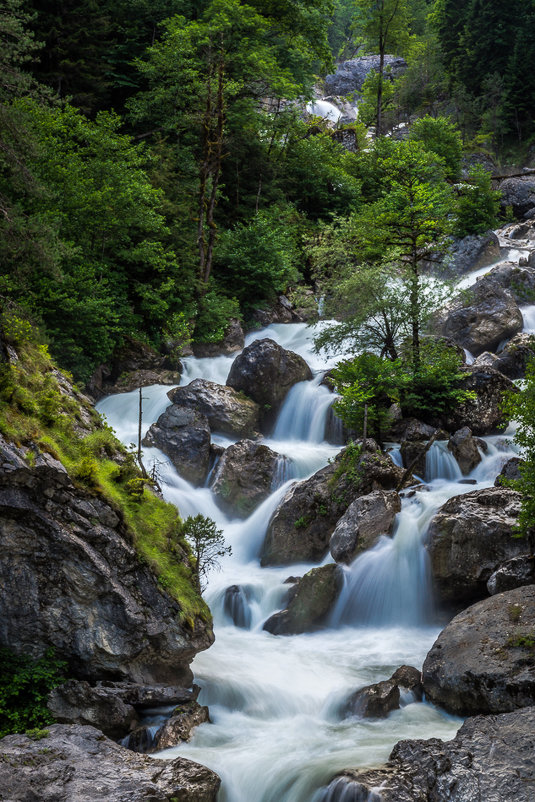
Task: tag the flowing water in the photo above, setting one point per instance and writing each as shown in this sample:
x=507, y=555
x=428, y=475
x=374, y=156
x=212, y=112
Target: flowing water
x=277, y=734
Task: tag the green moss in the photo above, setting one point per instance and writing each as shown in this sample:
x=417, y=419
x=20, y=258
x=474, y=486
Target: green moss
x=37, y=410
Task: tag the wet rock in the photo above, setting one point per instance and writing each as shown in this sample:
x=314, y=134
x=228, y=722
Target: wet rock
x=75, y=763
x=482, y=662
x=184, y=435
x=244, y=477
x=509, y=473
x=134, y=364
x=519, y=194
x=313, y=599
x=481, y=320
x=516, y=280
x=464, y=448
x=364, y=521
x=483, y=414
x=232, y=342
x=301, y=526
x=226, y=410
x=180, y=726
x=77, y=702
x=266, y=372
x=71, y=580
x=469, y=537
x=513, y=360
x=489, y=760
x=350, y=75
x=472, y=252
x=280, y=311
x=379, y=699
x=512, y=574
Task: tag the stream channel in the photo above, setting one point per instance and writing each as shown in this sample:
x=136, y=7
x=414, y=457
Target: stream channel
x=276, y=733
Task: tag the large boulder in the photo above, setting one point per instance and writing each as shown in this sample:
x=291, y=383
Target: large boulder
x=513, y=359
x=180, y=725
x=79, y=764
x=244, y=477
x=350, y=75
x=482, y=662
x=464, y=448
x=483, y=412
x=112, y=707
x=184, y=435
x=489, y=760
x=265, y=372
x=469, y=537
x=379, y=699
x=471, y=253
x=519, y=194
x=364, y=521
x=71, y=580
x=301, y=526
x=226, y=410
x=231, y=343
x=512, y=574
x=310, y=602
x=516, y=280
x=509, y=473
x=482, y=319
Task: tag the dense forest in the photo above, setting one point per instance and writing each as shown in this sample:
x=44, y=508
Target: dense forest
x=160, y=175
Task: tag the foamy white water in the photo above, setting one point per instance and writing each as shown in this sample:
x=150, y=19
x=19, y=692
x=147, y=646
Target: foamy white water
x=276, y=733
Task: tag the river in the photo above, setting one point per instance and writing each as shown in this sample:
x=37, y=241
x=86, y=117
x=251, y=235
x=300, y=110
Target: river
x=276, y=733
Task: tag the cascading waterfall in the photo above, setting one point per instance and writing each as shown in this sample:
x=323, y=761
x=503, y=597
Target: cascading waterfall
x=276, y=733
x=440, y=463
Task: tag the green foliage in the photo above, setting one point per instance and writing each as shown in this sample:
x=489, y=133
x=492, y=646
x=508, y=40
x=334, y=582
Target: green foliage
x=520, y=407
x=258, y=260
x=215, y=313
x=207, y=544
x=24, y=687
x=477, y=204
x=440, y=136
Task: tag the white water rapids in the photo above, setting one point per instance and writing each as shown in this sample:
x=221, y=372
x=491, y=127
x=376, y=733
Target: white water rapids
x=276, y=733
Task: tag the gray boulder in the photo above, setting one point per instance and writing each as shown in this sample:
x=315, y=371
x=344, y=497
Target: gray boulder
x=301, y=526
x=481, y=319
x=517, y=280
x=509, y=472
x=471, y=253
x=483, y=414
x=482, y=662
x=364, y=521
x=469, y=537
x=70, y=579
x=226, y=410
x=350, y=75
x=244, y=477
x=310, y=602
x=512, y=574
x=79, y=764
x=184, y=435
x=519, y=194
x=464, y=448
x=489, y=760
x=378, y=700
x=513, y=360
x=180, y=726
x=266, y=372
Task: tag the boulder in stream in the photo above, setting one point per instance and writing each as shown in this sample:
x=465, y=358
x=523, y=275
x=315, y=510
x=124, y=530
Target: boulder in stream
x=483, y=413
x=227, y=410
x=468, y=538
x=311, y=601
x=301, y=526
x=244, y=477
x=265, y=372
x=184, y=435
x=464, y=448
x=379, y=699
x=518, y=193
x=73, y=763
x=482, y=662
x=364, y=521
x=513, y=360
x=489, y=760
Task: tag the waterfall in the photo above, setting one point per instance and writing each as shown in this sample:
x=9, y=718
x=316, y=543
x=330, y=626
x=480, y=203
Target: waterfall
x=528, y=314
x=304, y=413
x=276, y=734
x=343, y=790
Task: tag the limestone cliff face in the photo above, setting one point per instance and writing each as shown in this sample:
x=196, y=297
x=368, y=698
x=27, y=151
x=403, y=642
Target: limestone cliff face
x=70, y=579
